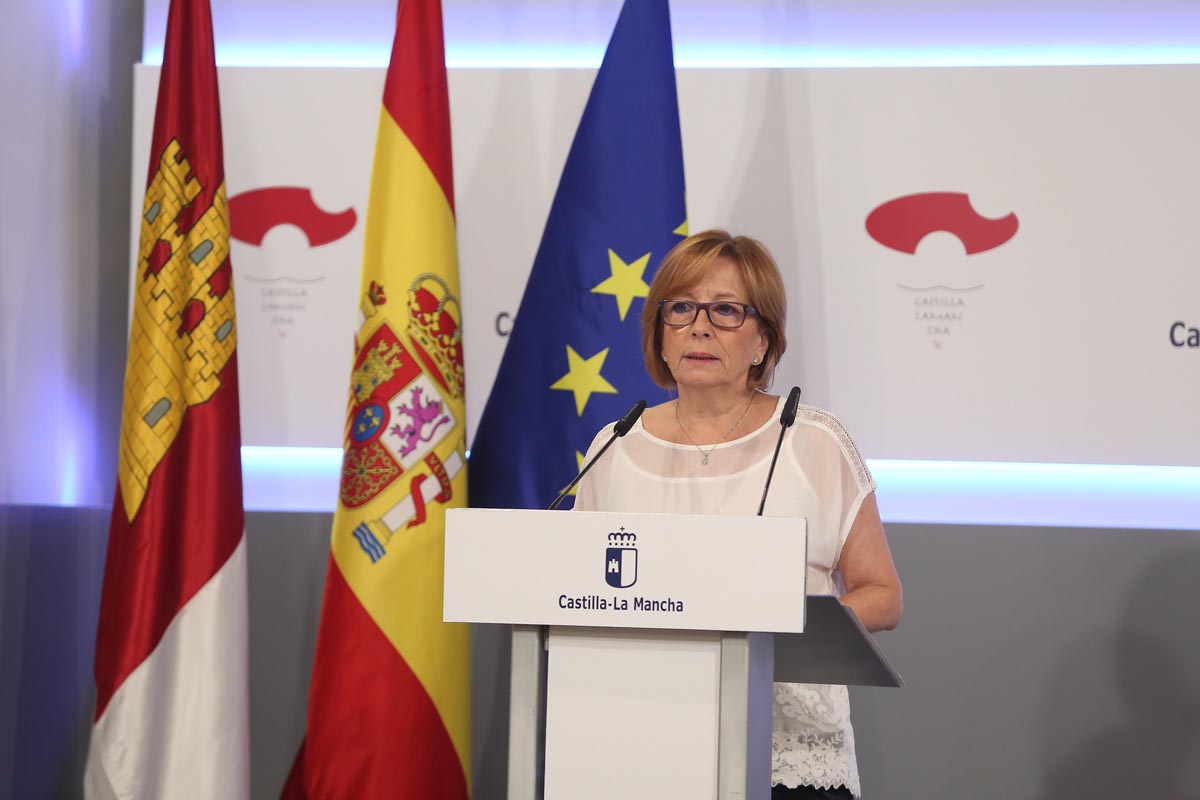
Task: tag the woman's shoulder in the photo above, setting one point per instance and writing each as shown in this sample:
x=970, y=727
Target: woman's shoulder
x=820, y=418
x=821, y=423
x=604, y=433
x=653, y=413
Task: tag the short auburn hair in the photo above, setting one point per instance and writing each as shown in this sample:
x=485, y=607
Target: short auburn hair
x=684, y=267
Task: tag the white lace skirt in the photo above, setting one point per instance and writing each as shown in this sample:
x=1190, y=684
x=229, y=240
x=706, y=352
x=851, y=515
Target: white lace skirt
x=812, y=743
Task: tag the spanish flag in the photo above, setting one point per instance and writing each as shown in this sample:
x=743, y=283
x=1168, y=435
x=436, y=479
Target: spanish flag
x=388, y=708
x=171, y=716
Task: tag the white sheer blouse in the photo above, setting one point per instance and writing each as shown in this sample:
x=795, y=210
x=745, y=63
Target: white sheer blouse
x=820, y=476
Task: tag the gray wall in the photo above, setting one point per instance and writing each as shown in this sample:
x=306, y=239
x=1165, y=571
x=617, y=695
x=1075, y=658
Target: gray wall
x=1039, y=662
x=51, y=566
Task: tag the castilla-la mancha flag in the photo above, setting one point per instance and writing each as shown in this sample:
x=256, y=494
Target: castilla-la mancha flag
x=171, y=669
x=388, y=708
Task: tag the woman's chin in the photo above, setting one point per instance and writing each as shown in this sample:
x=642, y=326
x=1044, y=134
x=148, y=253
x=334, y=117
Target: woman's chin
x=703, y=379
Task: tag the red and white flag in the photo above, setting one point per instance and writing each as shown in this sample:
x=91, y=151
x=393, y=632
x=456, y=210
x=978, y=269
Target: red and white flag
x=171, y=650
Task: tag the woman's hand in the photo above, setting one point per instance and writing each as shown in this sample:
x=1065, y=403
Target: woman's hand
x=872, y=585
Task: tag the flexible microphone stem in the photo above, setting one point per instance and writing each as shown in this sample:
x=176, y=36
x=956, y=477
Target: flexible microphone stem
x=624, y=424
x=785, y=421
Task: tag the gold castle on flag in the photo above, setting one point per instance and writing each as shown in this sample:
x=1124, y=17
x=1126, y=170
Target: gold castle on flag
x=183, y=329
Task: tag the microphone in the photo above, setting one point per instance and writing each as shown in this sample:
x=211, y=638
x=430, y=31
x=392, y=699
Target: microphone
x=622, y=427
x=625, y=423
x=786, y=418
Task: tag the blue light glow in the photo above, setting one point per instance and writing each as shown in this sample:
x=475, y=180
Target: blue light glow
x=734, y=58
x=1062, y=495
x=75, y=28
x=69, y=471
x=291, y=478
x=938, y=492
x=548, y=56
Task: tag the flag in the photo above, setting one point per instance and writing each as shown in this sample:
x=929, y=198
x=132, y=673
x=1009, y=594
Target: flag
x=574, y=358
x=171, y=714
x=388, y=708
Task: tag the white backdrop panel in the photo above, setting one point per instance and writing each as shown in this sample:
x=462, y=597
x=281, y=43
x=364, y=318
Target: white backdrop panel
x=1052, y=346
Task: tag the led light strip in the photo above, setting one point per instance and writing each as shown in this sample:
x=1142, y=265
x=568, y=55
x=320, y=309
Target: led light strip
x=1060, y=495
x=939, y=492
x=707, y=57
x=291, y=478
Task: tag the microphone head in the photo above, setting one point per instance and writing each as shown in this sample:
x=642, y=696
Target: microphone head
x=789, y=408
x=626, y=422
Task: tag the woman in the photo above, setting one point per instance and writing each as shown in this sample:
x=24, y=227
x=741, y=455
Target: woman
x=713, y=330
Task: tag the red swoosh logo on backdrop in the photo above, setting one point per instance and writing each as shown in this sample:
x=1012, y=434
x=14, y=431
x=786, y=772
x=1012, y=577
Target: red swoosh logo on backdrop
x=902, y=223
x=254, y=213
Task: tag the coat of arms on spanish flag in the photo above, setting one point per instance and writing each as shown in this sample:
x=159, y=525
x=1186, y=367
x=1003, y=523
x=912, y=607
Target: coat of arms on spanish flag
x=388, y=712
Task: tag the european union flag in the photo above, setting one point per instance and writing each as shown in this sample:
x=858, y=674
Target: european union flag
x=574, y=357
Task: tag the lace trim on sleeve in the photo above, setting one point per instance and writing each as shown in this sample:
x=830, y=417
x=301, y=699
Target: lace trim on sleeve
x=598, y=440
x=822, y=418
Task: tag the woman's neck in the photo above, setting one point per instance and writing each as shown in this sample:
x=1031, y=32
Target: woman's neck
x=714, y=406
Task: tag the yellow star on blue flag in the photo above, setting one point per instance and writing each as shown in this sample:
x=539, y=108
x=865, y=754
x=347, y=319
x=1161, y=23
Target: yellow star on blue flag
x=625, y=283
x=621, y=194
x=583, y=377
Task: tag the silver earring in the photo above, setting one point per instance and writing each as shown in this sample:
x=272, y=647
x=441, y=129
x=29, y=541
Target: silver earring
x=756, y=360
x=664, y=358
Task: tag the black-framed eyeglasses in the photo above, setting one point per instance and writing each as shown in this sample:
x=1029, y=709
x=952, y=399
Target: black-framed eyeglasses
x=721, y=313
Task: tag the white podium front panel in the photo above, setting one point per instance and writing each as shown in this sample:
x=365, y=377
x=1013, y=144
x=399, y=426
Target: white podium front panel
x=625, y=570
x=632, y=714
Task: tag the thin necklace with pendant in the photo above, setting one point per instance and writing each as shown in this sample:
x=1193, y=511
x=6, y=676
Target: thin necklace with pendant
x=710, y=450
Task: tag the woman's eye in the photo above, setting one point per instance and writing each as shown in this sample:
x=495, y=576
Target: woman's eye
x=725, y=309
x=680, y=307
